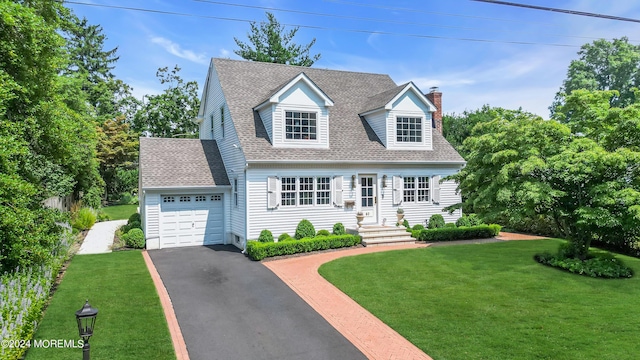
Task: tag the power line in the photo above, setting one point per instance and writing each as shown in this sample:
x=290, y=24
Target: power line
x=564, y=11
x=387, y=21
x=422, y=36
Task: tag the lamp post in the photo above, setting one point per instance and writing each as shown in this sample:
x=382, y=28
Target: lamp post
x=86, y=318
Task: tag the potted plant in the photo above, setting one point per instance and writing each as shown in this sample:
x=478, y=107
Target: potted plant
x=400, y=215
x=360, y=217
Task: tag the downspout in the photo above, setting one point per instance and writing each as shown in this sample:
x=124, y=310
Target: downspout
x=246, y=210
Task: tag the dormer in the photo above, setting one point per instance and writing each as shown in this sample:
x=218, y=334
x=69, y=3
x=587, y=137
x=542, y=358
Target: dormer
x=402, y=118
x=297, y=114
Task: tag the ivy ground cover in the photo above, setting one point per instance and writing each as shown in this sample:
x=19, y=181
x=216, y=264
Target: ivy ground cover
x=130, y=322
x=494, y=301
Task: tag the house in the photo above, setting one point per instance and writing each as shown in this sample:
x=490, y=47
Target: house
x=282, y=143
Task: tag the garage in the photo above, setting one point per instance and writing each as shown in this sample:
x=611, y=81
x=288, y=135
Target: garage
x=191, y=220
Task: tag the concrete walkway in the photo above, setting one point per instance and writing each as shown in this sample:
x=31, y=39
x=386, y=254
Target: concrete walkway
x=100, y=237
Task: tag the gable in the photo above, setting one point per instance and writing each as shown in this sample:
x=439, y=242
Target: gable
x=301, y=94
x=410, y=102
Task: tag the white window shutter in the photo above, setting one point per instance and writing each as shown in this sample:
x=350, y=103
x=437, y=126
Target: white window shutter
x=272, y=192
x=436, y=189
x=337, y=191
x=398, y=188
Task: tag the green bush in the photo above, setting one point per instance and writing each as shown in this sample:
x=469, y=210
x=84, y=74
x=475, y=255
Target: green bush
x=338, y=229
x=323, y=233
x=127, y=199
x=265, y=236
x=134, y=238
x=83, y=219
x=463, y=221
x=457, y=233
x=450, y=225
x=417, y=227
x=284, y=236
x=258, y=251
x=405, y=223
x=305, y=229
x=436, y=221
x=597, y=265
x=134, y=217
x=102, y=216
x=132, y=225
x=475, y=220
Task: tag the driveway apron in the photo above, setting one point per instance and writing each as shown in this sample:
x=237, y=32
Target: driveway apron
x=229, y=307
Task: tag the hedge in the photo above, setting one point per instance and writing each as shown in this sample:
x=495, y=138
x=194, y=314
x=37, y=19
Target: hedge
x=457, y=233
x=258, y=251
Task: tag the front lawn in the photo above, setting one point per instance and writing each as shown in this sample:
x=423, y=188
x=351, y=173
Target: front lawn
x=120, y=212
x=494, y=301
x=130, y=323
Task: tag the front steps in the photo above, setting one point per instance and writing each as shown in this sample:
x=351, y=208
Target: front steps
x=375, y=235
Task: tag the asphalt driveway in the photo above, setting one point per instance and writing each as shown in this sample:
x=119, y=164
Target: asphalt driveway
x=229, y=307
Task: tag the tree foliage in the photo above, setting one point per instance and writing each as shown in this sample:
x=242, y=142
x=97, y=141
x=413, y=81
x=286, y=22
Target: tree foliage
x=270, y=43
x=117, y=152
x=586, y=182
x=171, y=113
x=604, y=65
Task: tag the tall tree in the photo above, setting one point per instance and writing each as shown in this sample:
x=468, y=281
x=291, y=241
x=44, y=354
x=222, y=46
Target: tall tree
x=117, y=152
x=171, y=113
x=270, y=43
x=604, y=65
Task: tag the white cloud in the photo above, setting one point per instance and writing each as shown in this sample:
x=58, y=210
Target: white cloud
x=176, y=49
x=224, y=53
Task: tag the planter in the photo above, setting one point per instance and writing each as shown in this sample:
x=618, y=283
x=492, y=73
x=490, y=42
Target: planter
x=360, y=217
x=400, y=217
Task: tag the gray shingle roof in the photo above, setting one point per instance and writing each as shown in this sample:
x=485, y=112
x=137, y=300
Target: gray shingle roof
x=379, y=100
x=180, y=163
x=246, y=84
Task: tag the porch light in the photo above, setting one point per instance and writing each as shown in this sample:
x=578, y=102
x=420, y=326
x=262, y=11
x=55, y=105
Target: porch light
x=353, y=181
x=86, y=318
x=384, y=181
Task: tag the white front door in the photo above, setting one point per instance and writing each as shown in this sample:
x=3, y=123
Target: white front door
x=369, y=198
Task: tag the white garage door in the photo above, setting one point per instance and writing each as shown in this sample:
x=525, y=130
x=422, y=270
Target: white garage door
x=189, y=220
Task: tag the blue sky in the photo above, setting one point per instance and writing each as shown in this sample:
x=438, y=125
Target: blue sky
x=417, y=41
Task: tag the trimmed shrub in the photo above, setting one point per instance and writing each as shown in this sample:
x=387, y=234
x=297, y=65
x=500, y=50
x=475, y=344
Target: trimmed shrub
x=597, y=265
x=457, y=233
x=132, y=225
x=83, y=219
x=134, y=239
x=463, y=221
x=323, y=233
x=133, y=218
x=265, y=236
x=284, y=236
x=405, y=223
x=417, y=227
x=338, y=229
x=436, y=221
x=258, y=251
x=305, y=229
x=475, y=220
x=450, y=225
x=494, y=227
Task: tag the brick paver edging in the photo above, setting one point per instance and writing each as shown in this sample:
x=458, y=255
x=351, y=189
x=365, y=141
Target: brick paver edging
x=179, y=345
x=371, y=336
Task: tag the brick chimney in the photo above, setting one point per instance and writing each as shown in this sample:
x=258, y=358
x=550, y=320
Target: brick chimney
x=435, y=96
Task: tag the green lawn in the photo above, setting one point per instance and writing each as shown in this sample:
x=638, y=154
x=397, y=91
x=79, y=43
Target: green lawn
x=120, y=212
x=493, y=301
x=130, y=323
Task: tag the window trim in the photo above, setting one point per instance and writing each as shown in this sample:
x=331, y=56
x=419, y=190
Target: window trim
x=301, y=111
x=409, y=118
x=417, y=188
x=235, y=192
x=222, y=119
x=298, y=191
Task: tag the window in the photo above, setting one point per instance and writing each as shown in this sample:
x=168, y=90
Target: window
x=300, y=125
x=216, y=197
x=168, y=199
x=211, y=125
x=235, y=192
x=222, y=119
x=323, y=190
x=416, y=189
x=201, y=198
x=409, y=194
x=409, y=129
x=305, y=191
x=423, y=188
x=185, y=198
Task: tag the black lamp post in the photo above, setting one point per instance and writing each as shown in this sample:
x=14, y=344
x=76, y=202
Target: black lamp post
x=86, y=318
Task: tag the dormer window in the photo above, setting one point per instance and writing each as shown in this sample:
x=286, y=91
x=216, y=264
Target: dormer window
x=409, y=129
x=300, y=125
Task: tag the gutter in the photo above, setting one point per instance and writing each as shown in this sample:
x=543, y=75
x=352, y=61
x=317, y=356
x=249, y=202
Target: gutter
x=357, y=162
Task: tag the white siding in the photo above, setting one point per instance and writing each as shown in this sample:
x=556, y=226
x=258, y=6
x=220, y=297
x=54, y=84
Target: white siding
x=378, y=122
x=233, y=157
x=285, y=219
x=300, y=98
x=151, y=215
x=267, y=119
x=409, y=105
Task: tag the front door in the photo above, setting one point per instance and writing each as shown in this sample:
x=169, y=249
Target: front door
x=368, y=198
